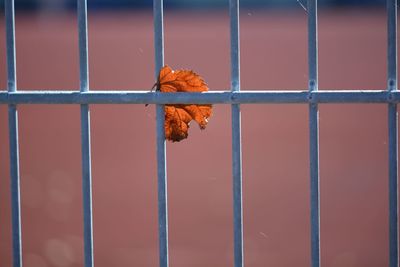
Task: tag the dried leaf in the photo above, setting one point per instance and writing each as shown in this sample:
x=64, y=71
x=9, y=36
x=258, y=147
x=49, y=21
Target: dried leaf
x=178, y=117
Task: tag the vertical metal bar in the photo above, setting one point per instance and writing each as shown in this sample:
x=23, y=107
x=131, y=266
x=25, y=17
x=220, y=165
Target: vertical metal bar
x=83, y=46
x=237, y=186
x=15, y=185
x=13, y=135
x=235, y=44
x=87, y=186
x=158, y=16
x=162, y=188
x=393, y=185
x=393, y=134
x=236, y=136
x=314, y=134
x=314, y=185
x=85, y=136
x=161, y=147
x=10, y=42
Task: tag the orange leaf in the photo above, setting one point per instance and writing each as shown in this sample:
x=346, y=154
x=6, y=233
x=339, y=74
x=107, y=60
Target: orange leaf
x=178, y=117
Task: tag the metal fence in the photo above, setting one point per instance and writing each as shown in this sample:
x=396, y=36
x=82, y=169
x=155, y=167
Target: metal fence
x=313, y=97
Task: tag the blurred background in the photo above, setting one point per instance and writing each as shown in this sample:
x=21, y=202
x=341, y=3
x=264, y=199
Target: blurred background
x=110, y=4
x=353, y=137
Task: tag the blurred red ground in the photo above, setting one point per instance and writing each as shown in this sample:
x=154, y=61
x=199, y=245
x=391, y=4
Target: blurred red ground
x=353, y=140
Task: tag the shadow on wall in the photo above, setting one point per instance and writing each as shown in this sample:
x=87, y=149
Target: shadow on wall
x=111, y=4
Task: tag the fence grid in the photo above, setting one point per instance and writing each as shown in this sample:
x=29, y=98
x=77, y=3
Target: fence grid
x=313, y=97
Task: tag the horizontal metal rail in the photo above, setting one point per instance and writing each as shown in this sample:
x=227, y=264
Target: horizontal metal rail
x=212, y=97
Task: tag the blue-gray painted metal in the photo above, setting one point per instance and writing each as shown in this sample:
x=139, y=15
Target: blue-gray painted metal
x=312, y=45
x=314, y=185
x=162, y=188
x=212, y=97
x=314, y=133
x=235, y=44
x=161, y=146
x=158, y=20
x=83, y=46
x=236, y=136
x=393, y=134
x=85, y=136
x=15, y=186
x=10, y=42
x=393, y=186
x=237, y=186
x=13, y=135
x=87, y=186
x=391, y=6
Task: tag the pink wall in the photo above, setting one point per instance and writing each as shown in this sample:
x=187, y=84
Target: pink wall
x=353, y=154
